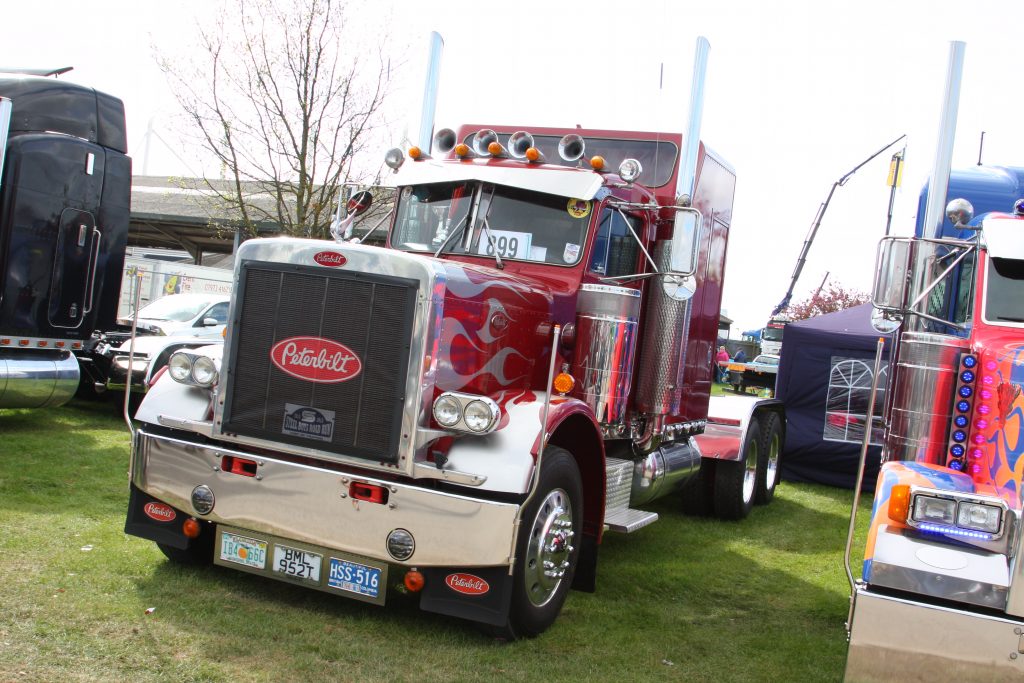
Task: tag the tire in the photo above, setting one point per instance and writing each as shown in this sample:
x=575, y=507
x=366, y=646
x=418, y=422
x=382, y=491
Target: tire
x=552, y=518
x=698, y=493
x=768, y=459
x=735, y=480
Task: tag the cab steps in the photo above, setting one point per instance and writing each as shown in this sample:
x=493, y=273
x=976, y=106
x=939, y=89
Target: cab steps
x=618, y=516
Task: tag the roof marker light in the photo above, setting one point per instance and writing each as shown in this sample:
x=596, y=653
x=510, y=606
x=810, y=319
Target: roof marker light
x=597, y=163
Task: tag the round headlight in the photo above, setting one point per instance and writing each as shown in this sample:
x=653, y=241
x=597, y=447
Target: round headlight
x=401, y=544
x=479, y=417
x=204, y=371
x=447, y=410
x=202, y=499
x=630, y=170
x=180, y=366
x=394, y=158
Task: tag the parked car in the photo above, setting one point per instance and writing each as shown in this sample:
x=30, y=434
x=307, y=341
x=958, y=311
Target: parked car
x=170, y=323
x=196, y=315
x=759, y=373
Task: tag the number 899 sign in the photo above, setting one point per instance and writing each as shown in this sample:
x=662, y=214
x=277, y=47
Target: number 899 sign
x=507, y=244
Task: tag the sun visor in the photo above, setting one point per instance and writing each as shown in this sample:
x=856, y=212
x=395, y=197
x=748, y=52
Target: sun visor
x=564, y=182
x=1004, y=237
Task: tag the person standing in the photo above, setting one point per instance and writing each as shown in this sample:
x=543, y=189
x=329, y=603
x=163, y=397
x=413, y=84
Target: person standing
x=723, y=364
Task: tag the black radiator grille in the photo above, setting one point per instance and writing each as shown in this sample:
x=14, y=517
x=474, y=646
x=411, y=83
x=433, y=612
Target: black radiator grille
x=371, y=315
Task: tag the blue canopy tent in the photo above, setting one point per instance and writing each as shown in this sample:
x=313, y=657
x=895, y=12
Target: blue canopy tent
x=825, y=383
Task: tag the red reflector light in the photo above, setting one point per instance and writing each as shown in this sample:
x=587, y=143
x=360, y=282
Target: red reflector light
x=371, y=493
x=242, y=466
x=191, y=528
x=414, y=581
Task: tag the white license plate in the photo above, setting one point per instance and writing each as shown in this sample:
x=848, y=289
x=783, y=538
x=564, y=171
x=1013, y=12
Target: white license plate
x=299, y=564
x=245, y=551
x=354, y=577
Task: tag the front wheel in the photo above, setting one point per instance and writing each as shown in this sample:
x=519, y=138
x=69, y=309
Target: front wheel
x=547, y=550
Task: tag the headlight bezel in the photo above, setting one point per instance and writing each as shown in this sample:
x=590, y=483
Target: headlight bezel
x=181, y=366
x=959, y=501
x=482, y=407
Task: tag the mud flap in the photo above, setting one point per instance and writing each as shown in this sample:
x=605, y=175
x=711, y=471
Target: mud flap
x=481, y=594
x=155, y=520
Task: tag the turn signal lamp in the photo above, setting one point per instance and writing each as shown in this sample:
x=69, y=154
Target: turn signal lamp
x=899, y=502
x=564, y=382
x=415, y=153
x=495, y=149
x=414, y=581
x=191, y=528
x=597, y=163
x=533, y=155
x=462, y=150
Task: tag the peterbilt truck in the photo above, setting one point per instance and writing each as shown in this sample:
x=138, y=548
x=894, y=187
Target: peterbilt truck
x=941, y=596
x=525, y=364
x=64, y=207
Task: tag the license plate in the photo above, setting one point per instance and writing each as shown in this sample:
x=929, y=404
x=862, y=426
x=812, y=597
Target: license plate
x=298, y=564
x=354, y=577
x=249, y=552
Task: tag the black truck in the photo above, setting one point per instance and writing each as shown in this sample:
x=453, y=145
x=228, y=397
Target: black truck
x=65, y=184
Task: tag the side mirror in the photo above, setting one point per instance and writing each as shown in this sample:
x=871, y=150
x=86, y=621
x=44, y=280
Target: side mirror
x=211, y=322
x=891, y=270
x=685, y=241
x=359, y=203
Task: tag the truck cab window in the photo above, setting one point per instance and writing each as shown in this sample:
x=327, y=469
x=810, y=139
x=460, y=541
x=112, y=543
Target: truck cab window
x=615, y=249
x=523, y=225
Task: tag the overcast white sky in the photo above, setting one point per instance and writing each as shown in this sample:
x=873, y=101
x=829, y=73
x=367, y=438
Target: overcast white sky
x=798, y=93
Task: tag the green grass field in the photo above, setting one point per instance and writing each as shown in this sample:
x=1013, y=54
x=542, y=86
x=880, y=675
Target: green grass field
x=682, y=600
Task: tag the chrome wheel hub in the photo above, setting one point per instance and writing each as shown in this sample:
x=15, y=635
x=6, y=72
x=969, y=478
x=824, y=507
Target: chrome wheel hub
x=773, y=462
x=749, y=471
x=549, y=547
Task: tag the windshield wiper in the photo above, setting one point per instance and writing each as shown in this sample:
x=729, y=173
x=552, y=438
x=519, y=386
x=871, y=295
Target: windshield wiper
x=490, y=239
x=454, y=233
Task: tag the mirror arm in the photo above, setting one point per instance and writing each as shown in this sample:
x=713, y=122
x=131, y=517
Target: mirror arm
x=637, y=238
x=942, y=276
x=374, y=228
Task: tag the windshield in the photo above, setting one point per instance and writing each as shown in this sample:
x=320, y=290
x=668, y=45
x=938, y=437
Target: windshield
x=174, y=308
x=522, y=225
x=1004, y=291
x=773, y=332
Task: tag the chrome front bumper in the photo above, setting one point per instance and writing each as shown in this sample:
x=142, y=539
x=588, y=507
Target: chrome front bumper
x=895, y=639
x=311, y=504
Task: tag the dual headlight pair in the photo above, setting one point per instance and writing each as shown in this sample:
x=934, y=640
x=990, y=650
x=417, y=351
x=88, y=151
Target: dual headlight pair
x=466, y=412
x=931, y=513
x=193, y=369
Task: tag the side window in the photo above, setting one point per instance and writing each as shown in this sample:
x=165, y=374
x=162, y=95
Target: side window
x=218, y=312
x=615, y=248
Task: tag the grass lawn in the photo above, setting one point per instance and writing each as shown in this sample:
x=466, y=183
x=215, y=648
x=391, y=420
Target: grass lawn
x=682, y=600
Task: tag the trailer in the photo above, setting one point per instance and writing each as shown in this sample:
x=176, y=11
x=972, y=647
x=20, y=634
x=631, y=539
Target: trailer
x=466, y=411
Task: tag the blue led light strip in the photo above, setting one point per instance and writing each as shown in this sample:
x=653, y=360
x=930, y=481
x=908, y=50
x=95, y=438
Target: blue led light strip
x=953, y=531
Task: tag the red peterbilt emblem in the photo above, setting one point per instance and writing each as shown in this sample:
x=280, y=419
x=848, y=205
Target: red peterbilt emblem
x=331, y=259
x=315, y=359
x=159, y=512
x=467, y=583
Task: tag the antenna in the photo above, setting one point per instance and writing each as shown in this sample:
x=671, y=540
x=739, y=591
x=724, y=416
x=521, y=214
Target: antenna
x=981, y=146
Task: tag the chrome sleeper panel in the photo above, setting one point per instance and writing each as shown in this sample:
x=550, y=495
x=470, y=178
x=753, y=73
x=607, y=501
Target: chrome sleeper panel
x=305, y=503
x=893, y=639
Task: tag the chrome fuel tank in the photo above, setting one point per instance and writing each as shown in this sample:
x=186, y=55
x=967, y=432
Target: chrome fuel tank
x=606, y=330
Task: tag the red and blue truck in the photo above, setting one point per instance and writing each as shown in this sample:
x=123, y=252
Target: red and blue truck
x=942, y=592
x=523, y=366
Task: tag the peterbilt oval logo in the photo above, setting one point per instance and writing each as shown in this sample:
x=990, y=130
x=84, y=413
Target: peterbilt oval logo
x=467, y=584
x=332, y=259
x=159, y=512
x=316, y=359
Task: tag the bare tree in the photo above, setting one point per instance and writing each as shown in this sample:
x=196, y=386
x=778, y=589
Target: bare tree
x=280, y=96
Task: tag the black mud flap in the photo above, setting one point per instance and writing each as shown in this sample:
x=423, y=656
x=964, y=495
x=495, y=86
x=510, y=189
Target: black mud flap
x=481, y=594
x=155, y=520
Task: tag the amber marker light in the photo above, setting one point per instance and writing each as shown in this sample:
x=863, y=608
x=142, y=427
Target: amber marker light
x=59, y=345
x=23, y=342
x=597, y=163
x=415, y=153
x=462, y=150
x=414, y=580
x=899, y=502
x=191, y=528
x=532, y=154
x=494, y=148
x=564, y=382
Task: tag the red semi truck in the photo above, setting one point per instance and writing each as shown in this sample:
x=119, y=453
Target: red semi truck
x=526, y=363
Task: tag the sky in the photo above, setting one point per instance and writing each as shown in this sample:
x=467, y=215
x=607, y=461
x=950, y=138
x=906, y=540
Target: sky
x=798, y=93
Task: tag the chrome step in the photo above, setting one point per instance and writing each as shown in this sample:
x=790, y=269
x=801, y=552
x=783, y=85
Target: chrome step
x=618, y=483
x=627, y=521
